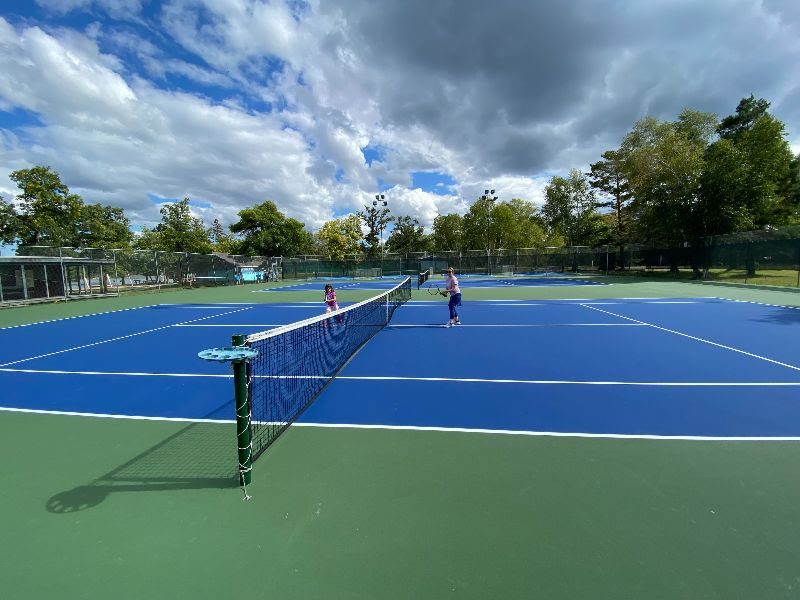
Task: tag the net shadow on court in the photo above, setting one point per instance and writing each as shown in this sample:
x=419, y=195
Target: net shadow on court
x=199, y=456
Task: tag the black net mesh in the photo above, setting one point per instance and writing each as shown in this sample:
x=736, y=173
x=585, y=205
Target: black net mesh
x=295, y=362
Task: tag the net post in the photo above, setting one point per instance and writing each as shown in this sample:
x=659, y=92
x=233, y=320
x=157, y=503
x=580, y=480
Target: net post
x=242, y=416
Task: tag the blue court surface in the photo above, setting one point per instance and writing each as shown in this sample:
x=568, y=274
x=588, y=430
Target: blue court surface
x=504, y=282
x=470, y=281
x=376, y=285
x=637, y=367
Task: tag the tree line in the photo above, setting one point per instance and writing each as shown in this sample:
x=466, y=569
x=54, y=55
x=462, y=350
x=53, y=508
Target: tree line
x=669, y=181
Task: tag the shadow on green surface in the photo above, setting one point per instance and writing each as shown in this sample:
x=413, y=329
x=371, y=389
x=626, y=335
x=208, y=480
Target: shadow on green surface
x=199, y=456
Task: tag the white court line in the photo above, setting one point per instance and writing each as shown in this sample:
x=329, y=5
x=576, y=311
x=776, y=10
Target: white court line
x=504, y=287
x=215, y=307
x=692, y=337
x=543, y=381
x=651, y=298
x=511, y=325
x=110, y=416
x=234, y=325
x=621, y=436
x=305, y=305
x=115, y=373
x=221, y=304
x=654, y=302
x=552, y=301
x=429, y=379
x=571, y=301
x=427, y=303
x=122, y=337
x=107, y=312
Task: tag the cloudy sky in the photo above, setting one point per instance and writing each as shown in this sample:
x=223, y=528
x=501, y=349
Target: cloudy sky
x=320, y=105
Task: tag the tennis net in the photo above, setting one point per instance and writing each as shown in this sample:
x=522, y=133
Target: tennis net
x=423, y=277
x=295, y=362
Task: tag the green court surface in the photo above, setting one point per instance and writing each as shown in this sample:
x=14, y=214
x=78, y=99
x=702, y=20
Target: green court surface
x=122, y=508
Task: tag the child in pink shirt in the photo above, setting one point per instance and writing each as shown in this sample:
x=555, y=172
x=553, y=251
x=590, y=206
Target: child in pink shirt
x=330, y=299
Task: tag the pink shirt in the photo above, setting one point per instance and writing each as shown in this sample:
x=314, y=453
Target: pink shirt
x=452, y=285
x=330, y=298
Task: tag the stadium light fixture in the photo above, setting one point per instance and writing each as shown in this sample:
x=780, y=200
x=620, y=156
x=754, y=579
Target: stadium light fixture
x=488, y=196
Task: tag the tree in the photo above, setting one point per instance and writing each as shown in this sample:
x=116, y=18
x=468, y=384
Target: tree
x=608, y=176
x=148, y=239
x=476, y=224
x=8, y=222
x=268, y=232
x=748, y=170
x=220, y=240
x=517, y=224
x=723, y=207
x=664, y=162
x=179, y=231
x=341, y=236
x=748, y=111
x=768, y=159
x=47, y=211
x=447, y=234
x=493, y=225
x=101, y=226
x=407, y=236
x=570, y=210
x=376, y=221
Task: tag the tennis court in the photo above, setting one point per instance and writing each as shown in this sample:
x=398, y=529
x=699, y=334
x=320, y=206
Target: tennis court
x=340, y=283
x=471, y=281
x=601, y=446
x=543, y=279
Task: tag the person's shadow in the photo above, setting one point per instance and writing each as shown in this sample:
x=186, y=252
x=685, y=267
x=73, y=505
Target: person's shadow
x=199, y=456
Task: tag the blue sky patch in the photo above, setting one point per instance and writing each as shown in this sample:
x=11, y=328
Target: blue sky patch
x=18, y=117
x=155, y=199
x=372, y=153
x=433, y=182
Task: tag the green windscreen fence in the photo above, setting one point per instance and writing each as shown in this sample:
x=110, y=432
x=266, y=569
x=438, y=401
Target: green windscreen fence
x=764, y=257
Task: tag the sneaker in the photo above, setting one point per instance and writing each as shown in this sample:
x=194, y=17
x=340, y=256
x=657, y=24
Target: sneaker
x=449, y=324
x=457, y=323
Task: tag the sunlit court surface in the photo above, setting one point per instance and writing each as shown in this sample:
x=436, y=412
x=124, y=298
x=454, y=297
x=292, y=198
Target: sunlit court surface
x=612, y=439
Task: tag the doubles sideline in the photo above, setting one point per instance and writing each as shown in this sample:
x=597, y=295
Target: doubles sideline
x=554, y=434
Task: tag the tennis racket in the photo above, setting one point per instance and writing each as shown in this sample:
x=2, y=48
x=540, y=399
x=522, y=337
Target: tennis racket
x=438, y=292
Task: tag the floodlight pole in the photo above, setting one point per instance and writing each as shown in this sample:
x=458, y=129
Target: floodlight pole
x=380, y=200
x=489, y=198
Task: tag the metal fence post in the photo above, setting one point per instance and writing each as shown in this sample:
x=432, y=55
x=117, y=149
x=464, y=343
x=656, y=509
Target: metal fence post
x=798, y=264
x=63, y=275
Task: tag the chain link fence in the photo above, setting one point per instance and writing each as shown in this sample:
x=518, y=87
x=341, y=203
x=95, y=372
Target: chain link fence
x=46, y=272
x=765, y=257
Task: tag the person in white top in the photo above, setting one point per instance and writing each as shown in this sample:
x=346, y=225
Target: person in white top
x=452, y=288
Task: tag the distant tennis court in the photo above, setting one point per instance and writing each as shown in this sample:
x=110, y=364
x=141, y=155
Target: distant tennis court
x=469, y=281
x=624, y=440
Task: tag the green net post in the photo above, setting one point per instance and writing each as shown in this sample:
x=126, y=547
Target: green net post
x=242, y=416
